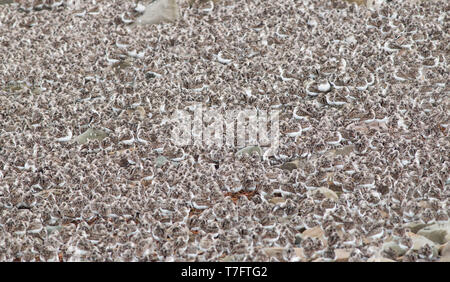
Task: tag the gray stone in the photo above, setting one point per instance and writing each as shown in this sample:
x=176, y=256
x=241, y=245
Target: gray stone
x=3, y=2
x=328, y=193
x=160, y=161
x=274, y=251
x=415, y=226
x=342, y=255
x=277, y=200
x=393, y=248
x=229, y=258
x=90, y=134
x=278, y=252
x=51, y=229
x=290, y=165
x=444, y=259
x=445, y=250
x=379, y=259
x=159, y=11
x=419, y=241
x=438, y=233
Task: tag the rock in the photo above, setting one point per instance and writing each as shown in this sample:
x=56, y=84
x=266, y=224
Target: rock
x=444, y=259
x=444, y=250
x=393, y=248
x=419, y=241
x=160, y=161
x=299, y=253
x=229, y=258
x=328, y=193
x=90, y=134
x=379, y=259
x=3, y=2
x=249, y=150
x=359, y=2
x=278, y=252
x=159, y=11
x=437, y=236
x=273, y=252
x=342, y=255
x=51, y=229
x=415, y=226
x=315, y=232
x=277, y=200
x=290, y=165
x=438, y=233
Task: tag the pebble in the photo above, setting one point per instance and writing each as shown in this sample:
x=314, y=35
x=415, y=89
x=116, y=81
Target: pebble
x=229, y=258
x=393, y=248
x=444, y=250
x=160, y=11
x=51, y=229
x=342, y=255
x=438, y=233
x=278, y=252
x=90, y=134
x=160, y=161
x=272, y=252
x=277, y=200
x=379, y=259
x=3, y=2
x=415, y=226
x=315, y=232
x=444, y=259
x=328, y=193
x=290, y=165
x=299, y=253
x=420, y=241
